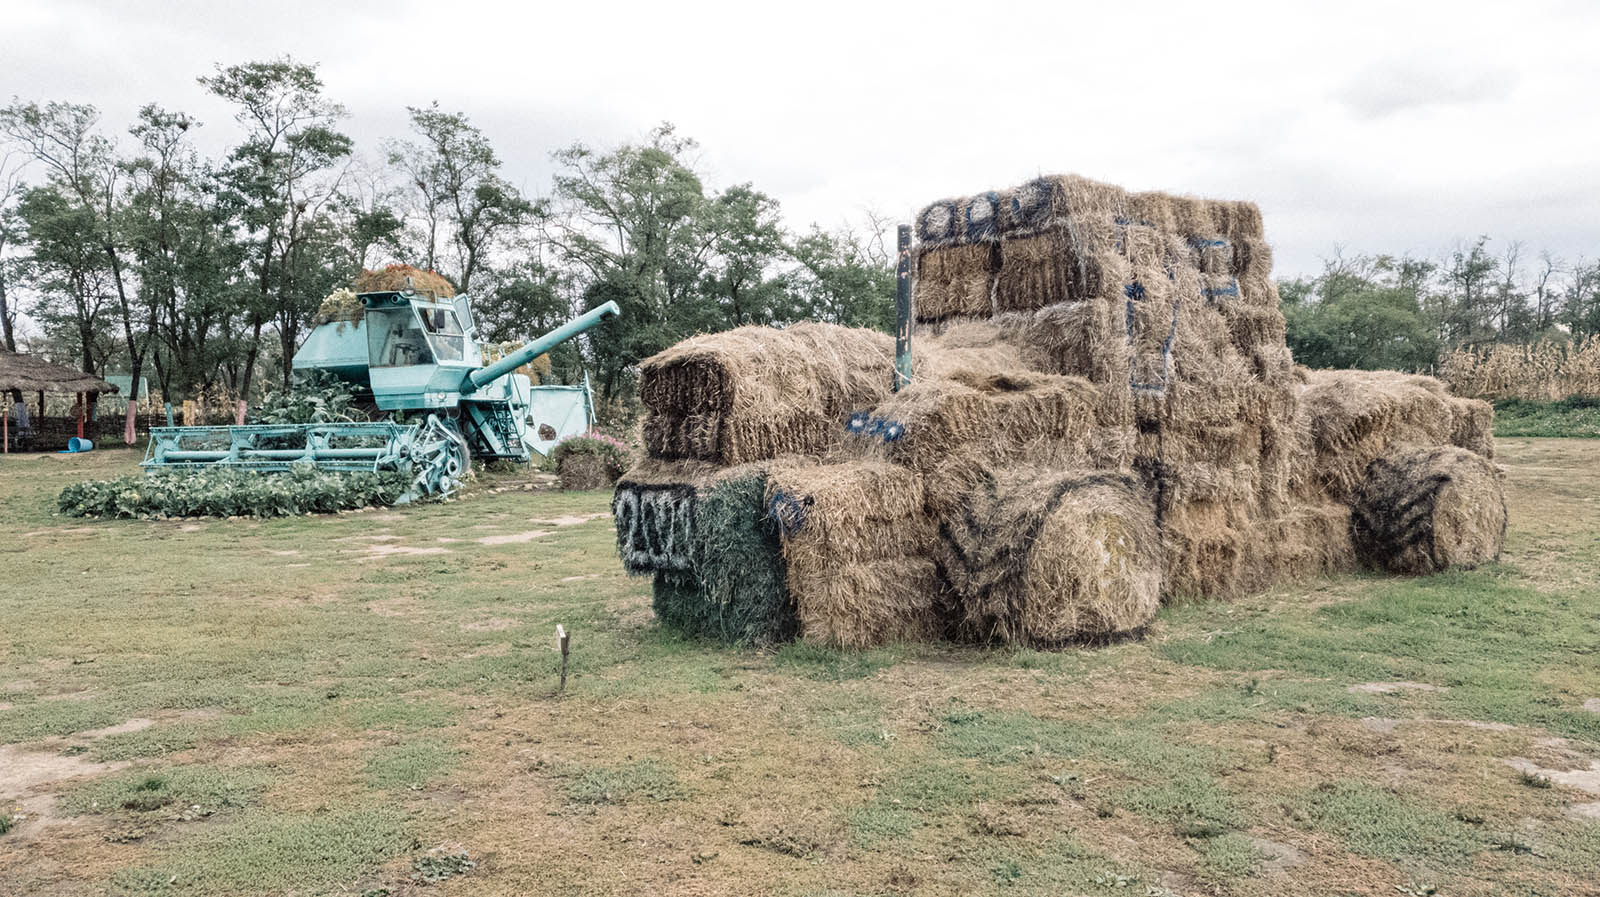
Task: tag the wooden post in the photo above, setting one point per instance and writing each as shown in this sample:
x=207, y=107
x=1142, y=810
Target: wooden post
x=902, y=311
x=79, y=408
x=239, y=419
x=5, y=427
x=564, y=639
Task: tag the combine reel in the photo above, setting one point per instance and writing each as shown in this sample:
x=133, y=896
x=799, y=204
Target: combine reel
x=438, y=456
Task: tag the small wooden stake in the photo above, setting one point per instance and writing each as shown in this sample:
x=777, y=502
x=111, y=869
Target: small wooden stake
x=564, y=640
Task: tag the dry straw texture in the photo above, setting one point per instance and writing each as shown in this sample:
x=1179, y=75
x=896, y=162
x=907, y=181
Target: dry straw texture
x=1044, y=558
x=401, y=277
x=1103, y=411
x=1352, y=417
x=1423, y=510
x=1545, y=371
x=852, y=535
x=756, y=393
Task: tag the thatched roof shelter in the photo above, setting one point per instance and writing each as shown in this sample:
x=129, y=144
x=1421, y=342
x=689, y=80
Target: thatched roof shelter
x=31, y=374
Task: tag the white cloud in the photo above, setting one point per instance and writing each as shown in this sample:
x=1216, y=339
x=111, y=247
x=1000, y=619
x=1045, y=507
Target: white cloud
x=1380, y=126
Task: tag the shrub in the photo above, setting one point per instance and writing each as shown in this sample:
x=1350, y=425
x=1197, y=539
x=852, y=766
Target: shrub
x=230, y=493
x=591, y=461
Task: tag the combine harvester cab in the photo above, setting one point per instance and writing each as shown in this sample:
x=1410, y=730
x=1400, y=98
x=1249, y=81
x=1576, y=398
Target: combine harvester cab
x=408, y=353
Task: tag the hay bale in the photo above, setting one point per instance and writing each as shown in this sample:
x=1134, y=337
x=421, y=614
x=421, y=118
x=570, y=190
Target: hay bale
x=939, y=224
x=1045, y=558
x=756, y=393
x=853, y=535
x=1305, y=539
x=954, y=429
x=706, y=537
x=1423, y=510
x=954, y=281
x=402, y=277
x=1352, y=417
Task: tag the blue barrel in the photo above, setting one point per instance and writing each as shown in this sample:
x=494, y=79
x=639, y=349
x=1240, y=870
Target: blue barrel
x=80, y=445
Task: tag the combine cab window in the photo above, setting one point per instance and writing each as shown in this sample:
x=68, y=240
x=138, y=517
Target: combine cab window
x=394, y=339
x=444, y=331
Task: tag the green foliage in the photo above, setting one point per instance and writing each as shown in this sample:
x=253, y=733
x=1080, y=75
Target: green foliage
x=612, y=452
x=5, y=823
x=435, y=868
x=187, y=790
x=231, y=493
x=1572, y=416
x=1365, y=312
x=1383, y=824
x=315, y=398
x=272, y=852
x=647, y=779
x=410, y=764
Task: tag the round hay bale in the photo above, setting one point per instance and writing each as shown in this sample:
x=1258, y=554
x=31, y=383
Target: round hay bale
x=1423, y=510
x=1095, y=569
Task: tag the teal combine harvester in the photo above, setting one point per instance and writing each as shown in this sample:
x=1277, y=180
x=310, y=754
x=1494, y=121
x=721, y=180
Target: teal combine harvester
x=408, y=353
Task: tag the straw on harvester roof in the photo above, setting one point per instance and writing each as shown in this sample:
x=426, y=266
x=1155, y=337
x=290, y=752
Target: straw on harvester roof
x=403, y=277
x=1422, y=510
x=30, y=373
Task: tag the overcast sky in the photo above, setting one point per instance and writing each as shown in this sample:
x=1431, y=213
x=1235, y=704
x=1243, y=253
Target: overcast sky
x=1392, y=126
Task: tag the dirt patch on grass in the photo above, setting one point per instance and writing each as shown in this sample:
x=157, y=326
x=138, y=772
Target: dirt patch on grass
x=1586, y=779
x=571, y=519
x=385, y=550
x=513, y=538
x=1390, y=688
x=491, y=624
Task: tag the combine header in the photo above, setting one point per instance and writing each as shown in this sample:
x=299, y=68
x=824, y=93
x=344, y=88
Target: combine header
x=407, y=353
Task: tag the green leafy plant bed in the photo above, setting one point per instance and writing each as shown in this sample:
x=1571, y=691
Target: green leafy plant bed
x=230, y=493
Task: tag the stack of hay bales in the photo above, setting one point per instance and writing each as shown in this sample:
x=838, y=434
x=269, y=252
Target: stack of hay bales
x=1103, y=413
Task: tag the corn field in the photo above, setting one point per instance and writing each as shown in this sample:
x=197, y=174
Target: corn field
x=1539, y=372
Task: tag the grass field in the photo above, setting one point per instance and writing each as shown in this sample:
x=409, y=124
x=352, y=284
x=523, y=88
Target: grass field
x=1577, y=416
x=364, y=705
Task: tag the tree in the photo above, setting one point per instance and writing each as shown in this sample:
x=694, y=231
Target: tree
x=11, y=234
x=1361, y=312
x=68, y=272
x=453, y=175
x=283, y=183
x=843, y=277
x=184, y=253
x=631, y=222
x=83, y=169
x=747, y=242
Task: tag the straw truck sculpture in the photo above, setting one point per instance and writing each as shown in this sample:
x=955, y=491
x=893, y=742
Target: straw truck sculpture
x=1103, y=415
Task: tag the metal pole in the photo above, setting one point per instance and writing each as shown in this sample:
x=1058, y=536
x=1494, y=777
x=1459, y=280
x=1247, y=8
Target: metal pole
x=902, y=312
